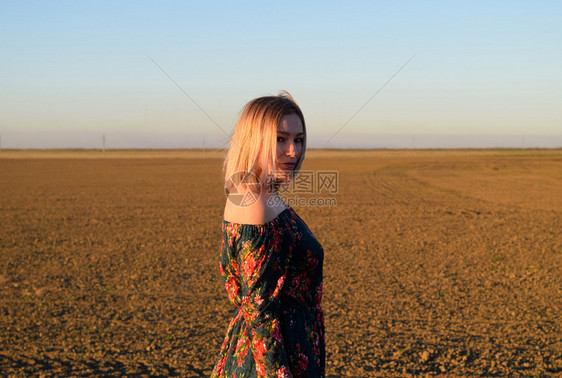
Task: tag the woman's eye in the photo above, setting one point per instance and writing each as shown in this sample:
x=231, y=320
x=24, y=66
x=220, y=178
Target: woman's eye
x=280, y=139
x=298, y=140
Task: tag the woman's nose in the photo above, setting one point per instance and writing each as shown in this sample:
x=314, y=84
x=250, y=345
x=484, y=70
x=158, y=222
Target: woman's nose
x=291, y=150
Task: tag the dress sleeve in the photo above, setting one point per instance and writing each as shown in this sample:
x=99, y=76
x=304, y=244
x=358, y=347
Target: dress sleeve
x=254, y=266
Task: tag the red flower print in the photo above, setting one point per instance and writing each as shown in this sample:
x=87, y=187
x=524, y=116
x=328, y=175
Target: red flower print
x=232, y=288
x=318, y=297
x=260, y=368
x=312, y=263
x=283, y=372
x=303, y=362
x=259, y=349
x=277, y=333
x=248, y=267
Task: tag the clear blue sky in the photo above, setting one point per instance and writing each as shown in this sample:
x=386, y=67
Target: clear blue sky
x=82, y=68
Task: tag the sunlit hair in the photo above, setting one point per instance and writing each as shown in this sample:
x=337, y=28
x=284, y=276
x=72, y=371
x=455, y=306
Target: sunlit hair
x=253, y=146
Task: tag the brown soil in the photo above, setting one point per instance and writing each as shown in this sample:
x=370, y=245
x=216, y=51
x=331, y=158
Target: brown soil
x=437, y=263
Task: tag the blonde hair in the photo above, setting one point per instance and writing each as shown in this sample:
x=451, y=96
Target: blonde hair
x=253, y=145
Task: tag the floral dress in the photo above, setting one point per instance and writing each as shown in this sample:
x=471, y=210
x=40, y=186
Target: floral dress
x=273, y=274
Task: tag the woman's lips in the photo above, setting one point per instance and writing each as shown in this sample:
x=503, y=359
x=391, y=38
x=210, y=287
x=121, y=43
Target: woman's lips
x=289, y=165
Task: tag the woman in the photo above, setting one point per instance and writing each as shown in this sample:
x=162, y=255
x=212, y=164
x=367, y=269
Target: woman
x=271, y=263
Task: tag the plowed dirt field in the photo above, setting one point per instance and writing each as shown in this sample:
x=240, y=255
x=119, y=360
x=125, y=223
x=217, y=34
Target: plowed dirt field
x=440, y=263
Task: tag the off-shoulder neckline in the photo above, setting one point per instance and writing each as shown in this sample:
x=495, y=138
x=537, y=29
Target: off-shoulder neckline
x=288, y=208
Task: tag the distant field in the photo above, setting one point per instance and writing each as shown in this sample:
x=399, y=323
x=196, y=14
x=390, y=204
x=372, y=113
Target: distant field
x=111, y=154
x=439, y=262
x=312, y=153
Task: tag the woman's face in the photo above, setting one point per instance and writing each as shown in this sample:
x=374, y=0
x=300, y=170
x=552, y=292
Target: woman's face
x=290, y=140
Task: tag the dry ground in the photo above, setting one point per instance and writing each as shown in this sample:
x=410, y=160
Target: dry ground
x=437, y=262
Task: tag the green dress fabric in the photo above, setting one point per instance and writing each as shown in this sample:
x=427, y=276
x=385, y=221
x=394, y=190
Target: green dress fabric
x=273, y=275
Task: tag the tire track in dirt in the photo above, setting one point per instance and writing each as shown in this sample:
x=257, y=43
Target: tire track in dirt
x=390, y=183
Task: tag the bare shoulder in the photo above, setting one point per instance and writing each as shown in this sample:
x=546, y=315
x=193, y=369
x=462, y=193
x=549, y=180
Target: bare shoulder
x=256, y=213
